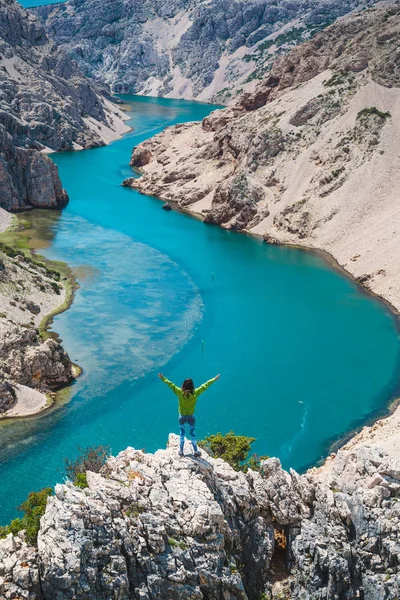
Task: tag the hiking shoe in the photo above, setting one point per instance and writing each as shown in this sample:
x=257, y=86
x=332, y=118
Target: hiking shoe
x=197, y=454
x=181, y=454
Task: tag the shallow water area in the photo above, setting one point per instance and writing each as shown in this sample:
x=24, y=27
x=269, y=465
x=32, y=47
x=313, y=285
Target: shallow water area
x=305, y=354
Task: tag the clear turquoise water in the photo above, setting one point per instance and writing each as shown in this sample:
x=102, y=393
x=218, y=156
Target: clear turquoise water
x=304, y=354
x=31, y=3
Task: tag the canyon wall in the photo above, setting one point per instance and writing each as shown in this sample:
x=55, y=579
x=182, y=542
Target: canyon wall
x=309, y=157
x=183, y=48
x=45, y=104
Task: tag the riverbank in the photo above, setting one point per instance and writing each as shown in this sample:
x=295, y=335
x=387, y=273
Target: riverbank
x=360, y=229
x=310, y=158
x=33, y=291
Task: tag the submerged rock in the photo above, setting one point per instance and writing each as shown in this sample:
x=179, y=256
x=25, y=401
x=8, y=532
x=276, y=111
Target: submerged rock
x=167, y=206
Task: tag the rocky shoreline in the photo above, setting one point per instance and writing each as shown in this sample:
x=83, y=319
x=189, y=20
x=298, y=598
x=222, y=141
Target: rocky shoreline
x=33, y=364
x=308, y=159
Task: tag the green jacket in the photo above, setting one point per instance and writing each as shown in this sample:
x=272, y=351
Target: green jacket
x=187, y=403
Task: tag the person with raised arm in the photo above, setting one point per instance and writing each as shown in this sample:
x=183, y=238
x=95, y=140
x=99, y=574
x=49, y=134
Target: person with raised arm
x=187, y=398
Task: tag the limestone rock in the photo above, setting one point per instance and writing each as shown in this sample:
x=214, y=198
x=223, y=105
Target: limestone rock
x=27, y=360
x=140, y=157
x=160, y=526
x=45, y=103
x=7, y=396
x=306, y=157
x=184, y=49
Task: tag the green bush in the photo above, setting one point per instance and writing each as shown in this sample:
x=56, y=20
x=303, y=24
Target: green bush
x=81, y=481
x=337, y=78
x=89, y=459
x=34, y=508
x=234, y=449
x=366, y=112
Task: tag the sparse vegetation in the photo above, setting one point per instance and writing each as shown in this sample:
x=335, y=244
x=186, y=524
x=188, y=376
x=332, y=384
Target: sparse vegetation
x=34, y=508
x=338, y=78
x=89, y=459
x=134, y=512
x=373, y=111
x=234, y=449
x=337, y=172
x=176, y=543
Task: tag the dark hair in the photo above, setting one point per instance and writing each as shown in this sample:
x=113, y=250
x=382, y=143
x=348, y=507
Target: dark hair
x=188, y=386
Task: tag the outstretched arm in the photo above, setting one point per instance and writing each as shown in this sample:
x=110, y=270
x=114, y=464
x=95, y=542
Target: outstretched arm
x=169, y=383
x=205, y=385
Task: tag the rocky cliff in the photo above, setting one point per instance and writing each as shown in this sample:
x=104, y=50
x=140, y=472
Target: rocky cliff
x=45, y=104
x=184, y=48
x=310, y=157
x=159, y=526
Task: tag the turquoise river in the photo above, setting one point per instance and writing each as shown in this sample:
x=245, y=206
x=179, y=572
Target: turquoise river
x=305, y=355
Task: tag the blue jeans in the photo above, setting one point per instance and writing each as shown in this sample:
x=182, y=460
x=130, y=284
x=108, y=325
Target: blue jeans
x=190, y=420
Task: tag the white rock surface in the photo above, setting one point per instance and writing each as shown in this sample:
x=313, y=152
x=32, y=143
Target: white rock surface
x=159, y=526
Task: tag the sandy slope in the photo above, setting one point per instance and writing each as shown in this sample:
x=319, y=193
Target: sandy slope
x=5, y=219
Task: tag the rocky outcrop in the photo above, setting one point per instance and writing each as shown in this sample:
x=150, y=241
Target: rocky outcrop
x=7, y=396
x=159, y=526
x=27, y=178
x=308, y=156
x=33, y=362
x=45, y=103
x=184, y=49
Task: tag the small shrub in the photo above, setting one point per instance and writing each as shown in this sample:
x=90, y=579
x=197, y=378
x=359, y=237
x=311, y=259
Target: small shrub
x=89, y=459
x=337, y=172
x=337, y=78
x=234, y=449
x=55, y=287
x=176, y=544
x=367, y=112
x=34, y=508
x=81, y=481
x=134, y=511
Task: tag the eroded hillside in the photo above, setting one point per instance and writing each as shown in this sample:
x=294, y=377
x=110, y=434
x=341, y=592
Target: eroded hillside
x=310, y=157
x=184, y=48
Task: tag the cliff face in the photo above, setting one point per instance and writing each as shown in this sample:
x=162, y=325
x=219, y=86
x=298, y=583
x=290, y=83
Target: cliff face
x=160, y=526
x=310, y=157
x=27, y=177
x=45, y=103
x=183, y=48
